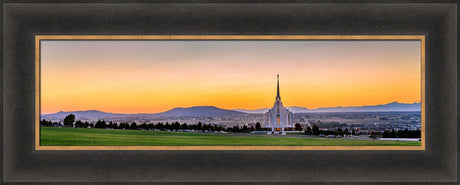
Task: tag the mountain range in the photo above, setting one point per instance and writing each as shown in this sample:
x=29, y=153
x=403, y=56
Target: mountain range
x=87, y=114
x=199, y=111
x=293, y=109
x=394, y=106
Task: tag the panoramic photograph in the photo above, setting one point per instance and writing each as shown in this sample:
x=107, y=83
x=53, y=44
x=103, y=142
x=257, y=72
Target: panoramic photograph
x=230, y=92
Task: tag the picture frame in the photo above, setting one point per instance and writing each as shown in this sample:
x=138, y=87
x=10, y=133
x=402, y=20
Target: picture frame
x=23, y=163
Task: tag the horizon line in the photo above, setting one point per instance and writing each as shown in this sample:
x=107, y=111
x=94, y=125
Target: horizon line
x=223, y=108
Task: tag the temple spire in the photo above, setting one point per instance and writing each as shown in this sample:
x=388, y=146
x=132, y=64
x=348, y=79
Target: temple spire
x=278, y=87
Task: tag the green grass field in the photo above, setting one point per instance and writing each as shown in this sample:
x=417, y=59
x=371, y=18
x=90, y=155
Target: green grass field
x=52, y=136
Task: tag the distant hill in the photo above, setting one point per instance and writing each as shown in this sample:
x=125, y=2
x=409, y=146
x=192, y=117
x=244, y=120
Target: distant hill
x=176, y=112
x=200, y=111
x=87, y=114
x=293, y=109
x=255, y=111
x=395, y=106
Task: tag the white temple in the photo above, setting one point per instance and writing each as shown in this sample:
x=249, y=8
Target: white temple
x=278, y=118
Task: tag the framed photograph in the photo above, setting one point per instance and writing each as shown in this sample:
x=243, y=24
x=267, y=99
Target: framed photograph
x=301, y=92
x=219, y=79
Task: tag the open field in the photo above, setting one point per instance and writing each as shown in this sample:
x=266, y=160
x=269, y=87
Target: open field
x=54, y=136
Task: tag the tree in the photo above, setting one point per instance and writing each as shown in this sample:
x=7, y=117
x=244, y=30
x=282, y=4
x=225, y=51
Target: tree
x=198, y=127
x=176, y=125
x=339, y=132
x=150, y=126
x=386, y=134
x=308, y=131
x=100, y=124
x=124, y=125
x=258, y=127
x=159, y=126
x=393, y=133
x=78, y=124
x=143, y=126
x=85, y=124
x=298, y=126
x=315, y=129
x=219, y=128
x=133, y=126
x=69, y=119
x=245, y=128
x=46, y=123
x=205, y=127
x=405, y=133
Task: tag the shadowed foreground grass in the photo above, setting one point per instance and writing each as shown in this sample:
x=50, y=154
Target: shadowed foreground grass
x=52, y=136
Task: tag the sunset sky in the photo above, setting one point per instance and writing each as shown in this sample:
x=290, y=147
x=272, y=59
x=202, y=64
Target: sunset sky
x=155, y=76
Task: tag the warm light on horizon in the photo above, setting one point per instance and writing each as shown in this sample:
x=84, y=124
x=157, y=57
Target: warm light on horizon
x=156, y=76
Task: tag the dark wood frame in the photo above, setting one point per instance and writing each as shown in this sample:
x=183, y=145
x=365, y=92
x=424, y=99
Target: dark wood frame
x=22, y=21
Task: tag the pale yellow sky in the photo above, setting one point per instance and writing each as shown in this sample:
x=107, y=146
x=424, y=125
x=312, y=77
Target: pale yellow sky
x=155, y=76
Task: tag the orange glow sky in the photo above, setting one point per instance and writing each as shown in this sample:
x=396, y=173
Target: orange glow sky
x=155, y=76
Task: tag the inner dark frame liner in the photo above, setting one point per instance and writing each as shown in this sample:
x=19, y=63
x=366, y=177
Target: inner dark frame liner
x=22, y=163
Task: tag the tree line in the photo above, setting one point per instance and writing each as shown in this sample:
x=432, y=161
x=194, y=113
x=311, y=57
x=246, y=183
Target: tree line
x=314, y=130
x=70, y=119
x=402, y=134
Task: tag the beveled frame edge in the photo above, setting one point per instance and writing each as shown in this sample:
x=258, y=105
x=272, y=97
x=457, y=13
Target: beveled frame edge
x=38, y=38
